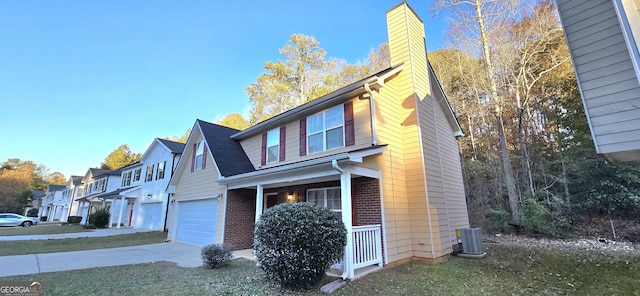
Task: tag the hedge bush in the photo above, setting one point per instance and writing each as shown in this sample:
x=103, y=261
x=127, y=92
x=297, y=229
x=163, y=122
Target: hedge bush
x=295, y=243
x=99, y=218
x=216, y=255
x=32, y=213
x=74, y=219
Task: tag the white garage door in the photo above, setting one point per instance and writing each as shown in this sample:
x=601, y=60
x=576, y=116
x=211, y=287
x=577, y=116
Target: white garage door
x=197, y=222
x=150, y=216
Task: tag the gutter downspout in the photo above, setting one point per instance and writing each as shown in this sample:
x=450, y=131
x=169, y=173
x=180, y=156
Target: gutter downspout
x=346, y=264
x=372, y=110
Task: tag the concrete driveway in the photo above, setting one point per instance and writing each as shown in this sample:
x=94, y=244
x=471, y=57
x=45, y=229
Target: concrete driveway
x=95, y=233
x=183, y=255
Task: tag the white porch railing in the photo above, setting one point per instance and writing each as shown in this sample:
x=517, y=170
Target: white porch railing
x=367, y=246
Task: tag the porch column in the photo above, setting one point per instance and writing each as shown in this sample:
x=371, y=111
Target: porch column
x=345, y=193
x=259, y=201
x=122, y=205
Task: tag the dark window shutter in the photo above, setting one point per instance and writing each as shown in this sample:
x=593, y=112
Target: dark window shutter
x=193, y=157
x=349, y=126
x=263, y=157
x=283, y=139
x=303, y=136
x=204, y=155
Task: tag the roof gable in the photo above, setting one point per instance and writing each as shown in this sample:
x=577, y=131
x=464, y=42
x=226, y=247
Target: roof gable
x=227, y=153
x=174, y=147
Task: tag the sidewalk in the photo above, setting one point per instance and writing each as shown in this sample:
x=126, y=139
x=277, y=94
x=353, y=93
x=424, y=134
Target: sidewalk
x=95, y=233
x=183, y=255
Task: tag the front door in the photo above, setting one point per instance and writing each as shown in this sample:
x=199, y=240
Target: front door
x=272, y=200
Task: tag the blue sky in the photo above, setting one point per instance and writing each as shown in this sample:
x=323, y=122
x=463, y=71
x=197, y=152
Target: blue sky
x=80, y=78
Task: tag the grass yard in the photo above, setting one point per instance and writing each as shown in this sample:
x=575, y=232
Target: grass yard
x=8, y=248
x=507, y=270
x=42, y=229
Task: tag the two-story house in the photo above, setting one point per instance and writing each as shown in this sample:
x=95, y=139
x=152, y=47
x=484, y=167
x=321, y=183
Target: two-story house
x=73, y=189
x=382, y=152
x=96, y=182
x=52, y=206
x=142, y=200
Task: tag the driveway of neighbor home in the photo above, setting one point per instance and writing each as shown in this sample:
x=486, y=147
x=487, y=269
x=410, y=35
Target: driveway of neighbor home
x=96, y=233
x=183, y=255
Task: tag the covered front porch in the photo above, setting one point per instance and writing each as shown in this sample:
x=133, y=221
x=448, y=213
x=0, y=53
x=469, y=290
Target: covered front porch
x=342, y=185
x=120, y=203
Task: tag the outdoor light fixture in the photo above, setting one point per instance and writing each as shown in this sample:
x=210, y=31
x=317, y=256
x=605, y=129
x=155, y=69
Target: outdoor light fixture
x=291, y=196
x=149, y=196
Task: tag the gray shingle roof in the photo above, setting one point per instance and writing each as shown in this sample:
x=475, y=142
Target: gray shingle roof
x=37, y=194
x=175, y=147
x=227, y=153
x=76, y=180
x=56, y=188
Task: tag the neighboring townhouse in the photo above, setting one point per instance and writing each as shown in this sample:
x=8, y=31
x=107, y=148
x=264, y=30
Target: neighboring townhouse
x=603, y=39
x=52, y=203
x=73, y=189
x=36, y=202
x=382, y=152
x=142, y=200
x=96, y=182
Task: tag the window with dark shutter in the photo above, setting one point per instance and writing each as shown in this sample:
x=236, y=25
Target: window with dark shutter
x=283, y=139
x=263, y=155
x=349, y=126
x=303, y=136
x=193, y=157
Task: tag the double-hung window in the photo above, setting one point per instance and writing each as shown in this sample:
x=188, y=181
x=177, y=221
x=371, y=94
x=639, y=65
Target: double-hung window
x=136, y=175
x=325, y=130
x=273, y=145
x=199, y=156
x=126, y=179
x=326, y=197
x=160, y=171
x=149, y=176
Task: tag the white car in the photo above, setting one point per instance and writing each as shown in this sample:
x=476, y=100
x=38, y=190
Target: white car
x=7, y=219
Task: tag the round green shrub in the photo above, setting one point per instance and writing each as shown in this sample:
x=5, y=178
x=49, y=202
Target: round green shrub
x=295, y=243
x=99, y=218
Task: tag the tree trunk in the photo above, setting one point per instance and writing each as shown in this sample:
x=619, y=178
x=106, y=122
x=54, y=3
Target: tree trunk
x=514, y=200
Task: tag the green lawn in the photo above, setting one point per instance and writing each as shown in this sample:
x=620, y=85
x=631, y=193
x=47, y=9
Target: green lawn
x=507, y=270
x=42, y=229
x=8, y=248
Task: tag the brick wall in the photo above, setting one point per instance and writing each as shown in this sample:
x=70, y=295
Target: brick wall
x=365, y=193
x=240, y=218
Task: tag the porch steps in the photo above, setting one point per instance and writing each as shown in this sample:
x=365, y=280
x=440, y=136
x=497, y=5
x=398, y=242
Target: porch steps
x=333, y=286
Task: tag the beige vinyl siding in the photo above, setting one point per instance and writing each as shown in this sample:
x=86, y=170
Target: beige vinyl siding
x=445, y=186
x=391, y=163
x=362, y=127
x=608, y=80
x=199, y=184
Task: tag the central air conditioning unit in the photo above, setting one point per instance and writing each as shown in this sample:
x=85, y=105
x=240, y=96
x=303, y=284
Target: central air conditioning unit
x=471, y=241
